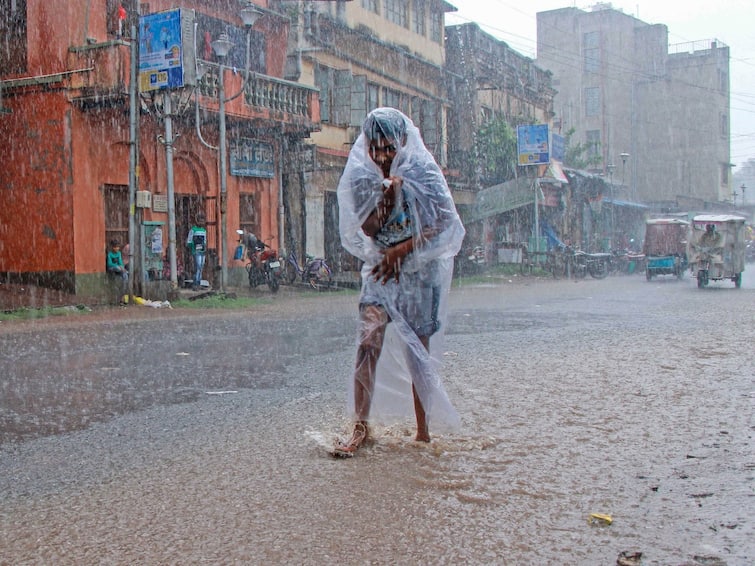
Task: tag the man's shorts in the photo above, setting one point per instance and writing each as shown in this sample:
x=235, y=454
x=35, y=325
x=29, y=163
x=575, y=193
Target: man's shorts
x=416, y=299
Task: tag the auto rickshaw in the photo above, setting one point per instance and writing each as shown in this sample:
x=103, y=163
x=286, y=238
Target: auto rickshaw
x=665, y=247
x=716, y=248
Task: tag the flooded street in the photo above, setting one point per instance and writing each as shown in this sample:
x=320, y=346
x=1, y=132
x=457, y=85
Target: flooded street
x=201, y=438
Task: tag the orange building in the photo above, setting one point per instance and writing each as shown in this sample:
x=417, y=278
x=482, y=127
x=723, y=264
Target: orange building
x=65, y=144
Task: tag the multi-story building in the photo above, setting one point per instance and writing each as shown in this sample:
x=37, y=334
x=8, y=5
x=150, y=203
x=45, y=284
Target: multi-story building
x=65, y=137
x=656, y=116
x=488, y=82
x=360, y=55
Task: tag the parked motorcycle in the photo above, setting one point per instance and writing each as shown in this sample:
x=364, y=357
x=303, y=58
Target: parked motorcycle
x=264, y=265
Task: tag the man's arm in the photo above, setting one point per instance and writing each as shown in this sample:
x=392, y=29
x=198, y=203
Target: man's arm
x=379, y=216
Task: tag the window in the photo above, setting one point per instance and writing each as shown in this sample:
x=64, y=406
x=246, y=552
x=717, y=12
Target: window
x=591, y=51
x=396, y=12
x=592, y=141
x=248, y=218
x=335, y=94
x=391, y=98
x=592, y=101
x=371, y=5
x=322, y=81
x=116, y=214
x=419, y=17
x=373, y=96
x=436, y=27
x=13, y=36
x=725, y=174
x=724, y=125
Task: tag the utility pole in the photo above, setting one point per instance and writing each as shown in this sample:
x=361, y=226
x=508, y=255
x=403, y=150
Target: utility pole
x=133, y=171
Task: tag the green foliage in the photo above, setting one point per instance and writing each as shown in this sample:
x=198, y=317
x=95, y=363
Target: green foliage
x=578, y=156
x=496, y=141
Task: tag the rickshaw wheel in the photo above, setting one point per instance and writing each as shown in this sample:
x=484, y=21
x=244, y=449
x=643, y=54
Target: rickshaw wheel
x=702, y=278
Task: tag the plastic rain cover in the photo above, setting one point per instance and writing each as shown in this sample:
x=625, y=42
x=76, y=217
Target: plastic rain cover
x=428, y=269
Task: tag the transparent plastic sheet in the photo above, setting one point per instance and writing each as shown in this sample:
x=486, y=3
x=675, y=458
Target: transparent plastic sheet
x=427, y=270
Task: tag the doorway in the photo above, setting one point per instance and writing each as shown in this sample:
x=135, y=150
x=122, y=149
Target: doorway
x=187, y=209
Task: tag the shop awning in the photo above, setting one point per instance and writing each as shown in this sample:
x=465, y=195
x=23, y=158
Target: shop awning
x=554, y=173
x=626, y=203
x=500, y=198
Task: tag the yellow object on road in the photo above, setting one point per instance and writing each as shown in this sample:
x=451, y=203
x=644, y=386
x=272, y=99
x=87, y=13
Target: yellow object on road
x=600, y=518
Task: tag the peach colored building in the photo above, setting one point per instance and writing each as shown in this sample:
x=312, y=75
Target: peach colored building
x=65, y=141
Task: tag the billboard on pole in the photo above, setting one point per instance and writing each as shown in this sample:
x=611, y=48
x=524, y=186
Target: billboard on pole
x=532, y=144
x=166, y=50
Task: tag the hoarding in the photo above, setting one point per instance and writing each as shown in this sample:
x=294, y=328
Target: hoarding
x=532, y=144
x=166, y=50
x=252, y=158
x=558, y=147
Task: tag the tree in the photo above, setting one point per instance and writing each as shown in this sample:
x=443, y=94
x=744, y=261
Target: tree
x=496, y=142
x=580, y=155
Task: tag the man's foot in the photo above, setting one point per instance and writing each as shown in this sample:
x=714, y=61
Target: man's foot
x=359, y=437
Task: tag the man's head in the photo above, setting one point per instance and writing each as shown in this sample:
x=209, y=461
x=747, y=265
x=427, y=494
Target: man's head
x=710, y=227
x=201, y=219
x=115, y=245
x=385, y=131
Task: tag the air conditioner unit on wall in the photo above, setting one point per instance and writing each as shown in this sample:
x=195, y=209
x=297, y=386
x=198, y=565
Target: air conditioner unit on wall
x=143, y=199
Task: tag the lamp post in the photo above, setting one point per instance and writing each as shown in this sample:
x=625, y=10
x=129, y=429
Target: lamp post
x=222, y=46
x=744, y=188
x=612, y=232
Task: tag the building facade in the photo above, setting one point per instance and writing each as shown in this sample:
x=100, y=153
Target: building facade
x=656, y=117
x=489, y=82
x=65, y=139
x=360, y=55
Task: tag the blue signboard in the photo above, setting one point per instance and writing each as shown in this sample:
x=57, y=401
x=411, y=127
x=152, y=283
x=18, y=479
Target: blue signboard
x=160, y=51
x=252, y=158
x=532, y=144
x=558, y=147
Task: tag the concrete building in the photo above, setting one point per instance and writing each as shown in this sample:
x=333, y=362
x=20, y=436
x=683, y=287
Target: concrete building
x=488, y=83
x=656, y=115
x=65, y=138
x=360, y=54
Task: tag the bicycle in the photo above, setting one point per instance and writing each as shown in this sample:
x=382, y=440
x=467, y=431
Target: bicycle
x=315, y=272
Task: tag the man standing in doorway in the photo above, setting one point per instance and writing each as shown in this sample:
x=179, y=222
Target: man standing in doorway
x=197, y=244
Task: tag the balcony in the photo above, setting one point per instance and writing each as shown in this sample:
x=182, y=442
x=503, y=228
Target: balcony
x=107, y=73
x=267, y=100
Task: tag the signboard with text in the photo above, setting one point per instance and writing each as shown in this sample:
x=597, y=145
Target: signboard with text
x=161, y=51
x=252, y=158
x=532, y=144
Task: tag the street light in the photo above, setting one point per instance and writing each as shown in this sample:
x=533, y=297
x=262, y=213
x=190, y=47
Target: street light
x=624, y=156
x=611, y=234
x=222, y=46
x=743, y=193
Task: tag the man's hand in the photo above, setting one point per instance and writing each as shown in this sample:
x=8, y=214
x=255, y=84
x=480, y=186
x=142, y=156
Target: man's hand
x=390, y=265
x=382, y=212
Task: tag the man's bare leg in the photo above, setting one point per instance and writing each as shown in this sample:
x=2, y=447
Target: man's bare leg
x=423, y=434
x=374, y=320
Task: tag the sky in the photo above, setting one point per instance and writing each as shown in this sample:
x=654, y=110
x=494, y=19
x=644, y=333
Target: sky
x=729, y=21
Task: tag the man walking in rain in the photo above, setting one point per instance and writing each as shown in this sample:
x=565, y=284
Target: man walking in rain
x=397, y=215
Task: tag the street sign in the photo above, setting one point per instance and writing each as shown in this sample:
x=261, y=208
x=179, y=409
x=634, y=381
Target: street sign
x=166, y=50
x=532, y=144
